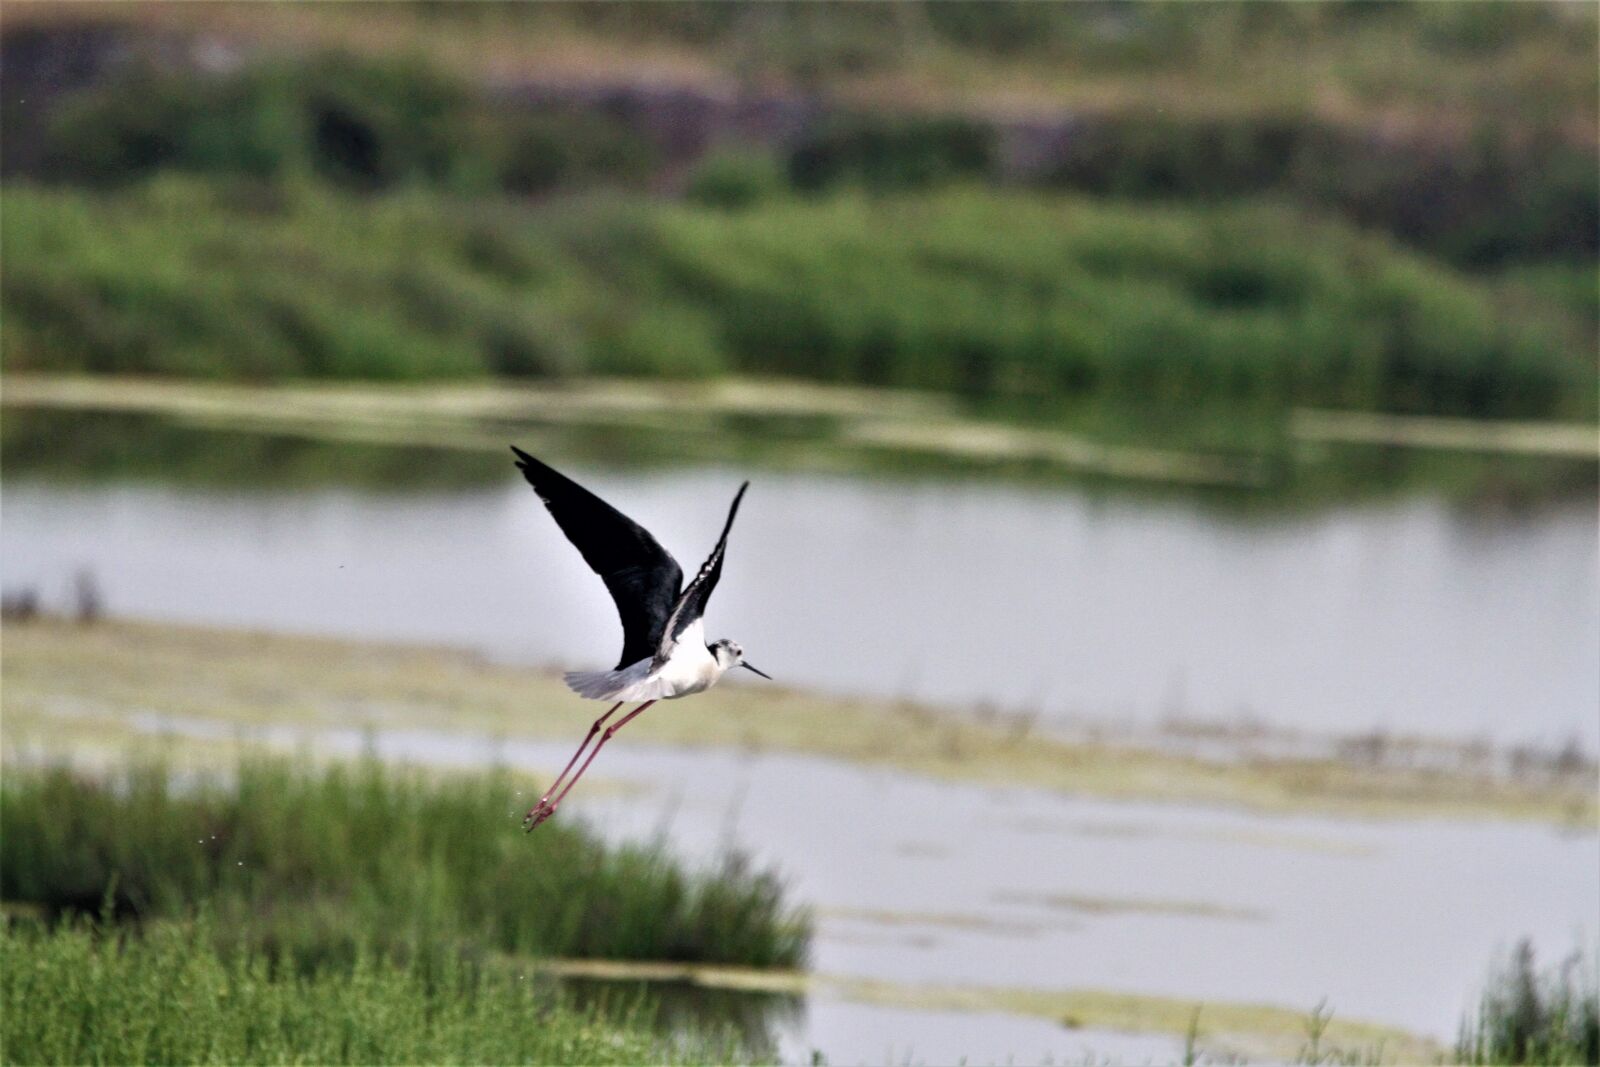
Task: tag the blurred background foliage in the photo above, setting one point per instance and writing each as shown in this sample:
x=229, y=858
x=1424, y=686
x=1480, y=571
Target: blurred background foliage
x=986, y=294
x=1370, y=206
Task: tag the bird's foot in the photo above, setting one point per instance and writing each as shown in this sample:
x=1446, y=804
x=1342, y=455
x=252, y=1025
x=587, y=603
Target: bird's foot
x=536, y=815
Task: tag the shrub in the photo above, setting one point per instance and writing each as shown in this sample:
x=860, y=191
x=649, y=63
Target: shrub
x=734, y=179
x=542, y=151
x=355, y=123
x=1501, y=194
x=885, y=153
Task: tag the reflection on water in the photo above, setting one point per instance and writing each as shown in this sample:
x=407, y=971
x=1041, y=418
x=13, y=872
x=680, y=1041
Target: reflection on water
x=1404, y=617
x=111, y=446
x=757, y=1020
x=794, y=1030
x=874, y=1035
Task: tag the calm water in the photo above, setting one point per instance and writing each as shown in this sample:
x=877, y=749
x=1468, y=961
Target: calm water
x=987, y=885
x=1410, y=616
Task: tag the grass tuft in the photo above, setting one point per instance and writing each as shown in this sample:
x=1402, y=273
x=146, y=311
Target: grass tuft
x=319, y=865
x=1529, y=1014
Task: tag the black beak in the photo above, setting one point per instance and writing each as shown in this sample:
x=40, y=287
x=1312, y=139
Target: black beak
x=763, y=674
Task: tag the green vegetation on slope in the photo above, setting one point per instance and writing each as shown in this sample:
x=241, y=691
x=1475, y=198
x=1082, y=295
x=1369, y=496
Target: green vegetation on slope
x=163, y=995
x=1521, y=62
x=1482, y=195
x=1007, y=297
x=1520, y=194
x=358, y=125
x=322, y=863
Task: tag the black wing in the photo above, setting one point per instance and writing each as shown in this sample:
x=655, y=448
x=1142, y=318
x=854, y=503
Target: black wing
x=692, y=604
x=643, y=577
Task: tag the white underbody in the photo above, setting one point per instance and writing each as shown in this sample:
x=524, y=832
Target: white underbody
x=690, y=669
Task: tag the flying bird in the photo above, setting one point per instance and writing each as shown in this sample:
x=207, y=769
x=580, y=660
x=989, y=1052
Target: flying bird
x=664, y=649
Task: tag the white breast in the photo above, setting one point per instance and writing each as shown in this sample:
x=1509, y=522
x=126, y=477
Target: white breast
x=691, y=667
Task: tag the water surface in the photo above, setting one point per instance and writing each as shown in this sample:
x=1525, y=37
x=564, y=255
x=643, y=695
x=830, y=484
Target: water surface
x=1410, y=617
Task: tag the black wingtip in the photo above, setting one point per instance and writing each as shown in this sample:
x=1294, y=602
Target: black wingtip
x=733, y=510
x=523, y=459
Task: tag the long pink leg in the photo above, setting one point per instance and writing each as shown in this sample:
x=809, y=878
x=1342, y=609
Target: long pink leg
x=527, y=822
x=543, y=812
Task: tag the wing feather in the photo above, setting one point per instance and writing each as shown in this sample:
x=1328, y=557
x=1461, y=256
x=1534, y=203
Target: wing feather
x=692, y=604
x=642, y=577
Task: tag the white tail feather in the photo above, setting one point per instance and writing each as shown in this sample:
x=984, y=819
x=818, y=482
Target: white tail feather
x=595, y=685
x=632, y=682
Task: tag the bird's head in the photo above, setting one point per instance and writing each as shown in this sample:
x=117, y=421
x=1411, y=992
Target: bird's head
x=729, y=655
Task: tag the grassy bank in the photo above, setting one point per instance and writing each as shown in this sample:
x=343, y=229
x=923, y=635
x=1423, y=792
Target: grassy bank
x=1022, y=303
x=320, y=864
x=77, y=994
x=84, y=689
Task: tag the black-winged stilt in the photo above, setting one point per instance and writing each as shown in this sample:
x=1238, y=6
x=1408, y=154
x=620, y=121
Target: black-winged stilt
x=664, y=650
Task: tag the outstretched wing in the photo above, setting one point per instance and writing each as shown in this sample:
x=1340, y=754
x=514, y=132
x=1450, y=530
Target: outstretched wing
x=642, y=576
x=692, y=604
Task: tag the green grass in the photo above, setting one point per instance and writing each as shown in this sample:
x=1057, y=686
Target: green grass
x=81, y=994
x=1021, y=301
x=1529, y=1014
x=1029, y=297
x=321, y=863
